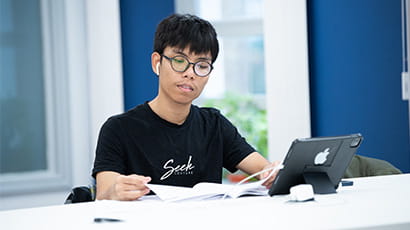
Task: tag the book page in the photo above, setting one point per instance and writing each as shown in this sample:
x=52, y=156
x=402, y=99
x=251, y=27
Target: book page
x=208, y=190
x=169, y=192
x=178, y=193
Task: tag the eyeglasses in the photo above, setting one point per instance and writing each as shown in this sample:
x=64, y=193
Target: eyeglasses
x=181, y=64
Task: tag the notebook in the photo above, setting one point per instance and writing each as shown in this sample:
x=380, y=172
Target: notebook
x=320, y=161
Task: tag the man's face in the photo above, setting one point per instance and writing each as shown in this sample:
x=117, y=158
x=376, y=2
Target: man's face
x=181, y=87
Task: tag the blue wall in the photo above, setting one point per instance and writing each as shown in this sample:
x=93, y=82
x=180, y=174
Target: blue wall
x=355, y=72
x=139, y=20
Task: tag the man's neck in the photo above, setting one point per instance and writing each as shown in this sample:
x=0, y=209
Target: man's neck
x=170, y=111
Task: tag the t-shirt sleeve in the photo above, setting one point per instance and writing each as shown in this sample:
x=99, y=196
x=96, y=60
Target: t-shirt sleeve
x=109, y=152
x=235, y=148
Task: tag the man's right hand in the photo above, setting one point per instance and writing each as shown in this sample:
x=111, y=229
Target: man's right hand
x=114, y=186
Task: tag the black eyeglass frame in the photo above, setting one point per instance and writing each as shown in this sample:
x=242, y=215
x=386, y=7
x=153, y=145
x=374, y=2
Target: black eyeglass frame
x=187, y=66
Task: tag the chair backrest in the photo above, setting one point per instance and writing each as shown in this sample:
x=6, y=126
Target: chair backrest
x=362, y=166
x=81, y=194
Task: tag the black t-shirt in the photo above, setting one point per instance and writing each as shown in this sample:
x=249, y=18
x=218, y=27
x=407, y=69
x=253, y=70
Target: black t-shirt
x=140, y=142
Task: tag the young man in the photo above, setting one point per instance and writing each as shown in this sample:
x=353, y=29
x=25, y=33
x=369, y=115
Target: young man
x=168, y=140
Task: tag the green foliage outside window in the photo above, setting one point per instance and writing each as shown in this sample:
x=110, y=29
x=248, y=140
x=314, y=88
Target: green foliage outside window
x=247, y=116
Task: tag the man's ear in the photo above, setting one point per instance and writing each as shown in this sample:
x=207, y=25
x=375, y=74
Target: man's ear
x=155, y=62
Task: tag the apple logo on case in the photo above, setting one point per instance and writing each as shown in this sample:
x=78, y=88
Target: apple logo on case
x=321, y=157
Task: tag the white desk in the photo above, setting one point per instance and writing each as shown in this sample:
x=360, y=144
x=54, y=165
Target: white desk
x=371, y=203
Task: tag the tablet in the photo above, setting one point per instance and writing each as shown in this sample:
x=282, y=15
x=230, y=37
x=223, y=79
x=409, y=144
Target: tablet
x=319, y=161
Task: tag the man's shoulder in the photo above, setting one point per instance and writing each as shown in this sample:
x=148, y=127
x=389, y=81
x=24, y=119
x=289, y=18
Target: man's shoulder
x=209, y=114
x=133, y=114
x=208, y=111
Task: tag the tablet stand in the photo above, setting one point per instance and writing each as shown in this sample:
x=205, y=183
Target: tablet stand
x=320, y=182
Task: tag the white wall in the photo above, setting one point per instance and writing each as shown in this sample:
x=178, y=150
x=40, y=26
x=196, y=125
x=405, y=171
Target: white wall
x=287, y=76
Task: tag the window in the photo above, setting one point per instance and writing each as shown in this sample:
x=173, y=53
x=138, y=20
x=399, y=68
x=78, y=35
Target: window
x=237, y=84
x=33, y=117
x=74, y=77
x=22, y=119
x=239, y=67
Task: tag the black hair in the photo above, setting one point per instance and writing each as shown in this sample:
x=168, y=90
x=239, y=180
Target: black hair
x=186, y=30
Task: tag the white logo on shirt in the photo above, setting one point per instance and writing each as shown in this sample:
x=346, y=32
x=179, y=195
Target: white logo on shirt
x=183, y=169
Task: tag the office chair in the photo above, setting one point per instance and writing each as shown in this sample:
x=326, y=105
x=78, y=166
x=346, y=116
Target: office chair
x=362, y=166
x=81, y=194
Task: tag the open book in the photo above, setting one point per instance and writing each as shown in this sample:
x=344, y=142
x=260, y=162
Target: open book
x=206, y=190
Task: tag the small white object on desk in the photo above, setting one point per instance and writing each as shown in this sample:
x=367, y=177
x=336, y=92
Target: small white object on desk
x=302, y=192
